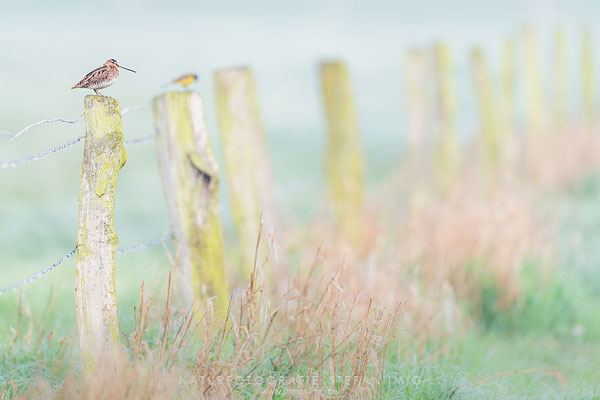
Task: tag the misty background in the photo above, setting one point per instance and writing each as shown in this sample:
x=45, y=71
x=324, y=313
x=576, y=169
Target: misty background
x=46, y=47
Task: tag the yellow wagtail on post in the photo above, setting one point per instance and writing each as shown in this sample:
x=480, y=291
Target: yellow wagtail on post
x=186, y=79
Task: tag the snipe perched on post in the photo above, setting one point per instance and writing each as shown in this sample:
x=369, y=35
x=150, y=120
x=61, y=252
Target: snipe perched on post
x=101, y=77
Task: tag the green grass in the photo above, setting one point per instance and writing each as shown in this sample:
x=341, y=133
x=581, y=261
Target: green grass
x=545, y=346
x=561, y=305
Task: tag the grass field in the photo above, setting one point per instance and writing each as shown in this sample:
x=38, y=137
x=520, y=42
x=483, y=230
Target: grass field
x=543, y=345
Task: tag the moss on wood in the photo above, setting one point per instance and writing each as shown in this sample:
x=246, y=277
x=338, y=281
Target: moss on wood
x=190, y=179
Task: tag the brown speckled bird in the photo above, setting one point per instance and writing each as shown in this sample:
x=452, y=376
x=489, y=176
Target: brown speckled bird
x=101, y=77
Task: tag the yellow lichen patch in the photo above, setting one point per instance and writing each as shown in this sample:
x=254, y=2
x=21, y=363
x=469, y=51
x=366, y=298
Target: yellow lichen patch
x=533, y=83
x=587, y=73
x=490, y=144
x=448, y=158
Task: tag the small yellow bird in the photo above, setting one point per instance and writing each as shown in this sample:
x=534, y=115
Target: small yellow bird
x=186, y=80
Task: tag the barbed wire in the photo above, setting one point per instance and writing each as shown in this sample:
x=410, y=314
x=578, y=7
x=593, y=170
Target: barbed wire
x=42, y=122
x=129, y=109
x=140, y=246
x=73, y=373
x=39, y=156
x=14, y=136
x=37, y=275
x=139, y=140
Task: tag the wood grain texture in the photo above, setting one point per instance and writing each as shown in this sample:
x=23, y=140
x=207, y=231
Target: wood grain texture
x=96, y=302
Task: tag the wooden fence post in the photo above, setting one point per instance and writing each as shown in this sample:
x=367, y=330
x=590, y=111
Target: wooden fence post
x=448, y=152
x=508, y=85
x=246, y=159
x=560, y=79
x=533, y=83
x=344, y=161
x=95, y=294
x=489, y=128
x=190, y=180
x=416, y=109
x=587, y=75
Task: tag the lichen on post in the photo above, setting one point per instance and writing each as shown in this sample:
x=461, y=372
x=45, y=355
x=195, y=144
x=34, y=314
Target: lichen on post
x=190, y=179
x=95, y=294
x=490, y=139
x=560, y=79
x=587, y=74
x=447, y=159
x=344, y=159
x=533, y=82
x=246, y=160
x=417, y=102
x=508, y=84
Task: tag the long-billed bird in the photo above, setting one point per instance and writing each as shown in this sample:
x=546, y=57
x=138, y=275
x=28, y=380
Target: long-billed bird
x=102, y=77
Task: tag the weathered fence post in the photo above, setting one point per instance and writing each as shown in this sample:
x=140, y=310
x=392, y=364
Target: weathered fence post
x=95, y=294
x=416, y=109
x=489, y=128
x=508, y=84
x=246, y=159
x=533, y=83
x=587, y=75
x=447, y=152
x=190, y=180
x=344, y=161
x=560, y=79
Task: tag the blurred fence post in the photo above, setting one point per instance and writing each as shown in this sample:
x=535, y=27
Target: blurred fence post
x=489, y=129
x=587, y=75
x=344, y=161
x=249, y=178
x=97, y=242
x=190, y=180
x=416, y=109
x=447, y=152
x=533, y=83
x=560, y=79
x=508, y=85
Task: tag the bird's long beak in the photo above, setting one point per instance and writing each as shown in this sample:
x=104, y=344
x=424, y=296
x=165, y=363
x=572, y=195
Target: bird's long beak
x=120, y=66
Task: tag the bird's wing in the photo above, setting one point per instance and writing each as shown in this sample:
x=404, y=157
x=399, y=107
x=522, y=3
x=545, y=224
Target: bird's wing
x=99, y=74
x=178, y=80
x=185, y=79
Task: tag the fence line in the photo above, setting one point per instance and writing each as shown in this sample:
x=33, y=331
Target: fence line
x=42, y=122
x=74, y=372
x=140, y=246
x=37, y=275
x=140, y=139
x=14, y=136
x=39, y=156
x=144, y=107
